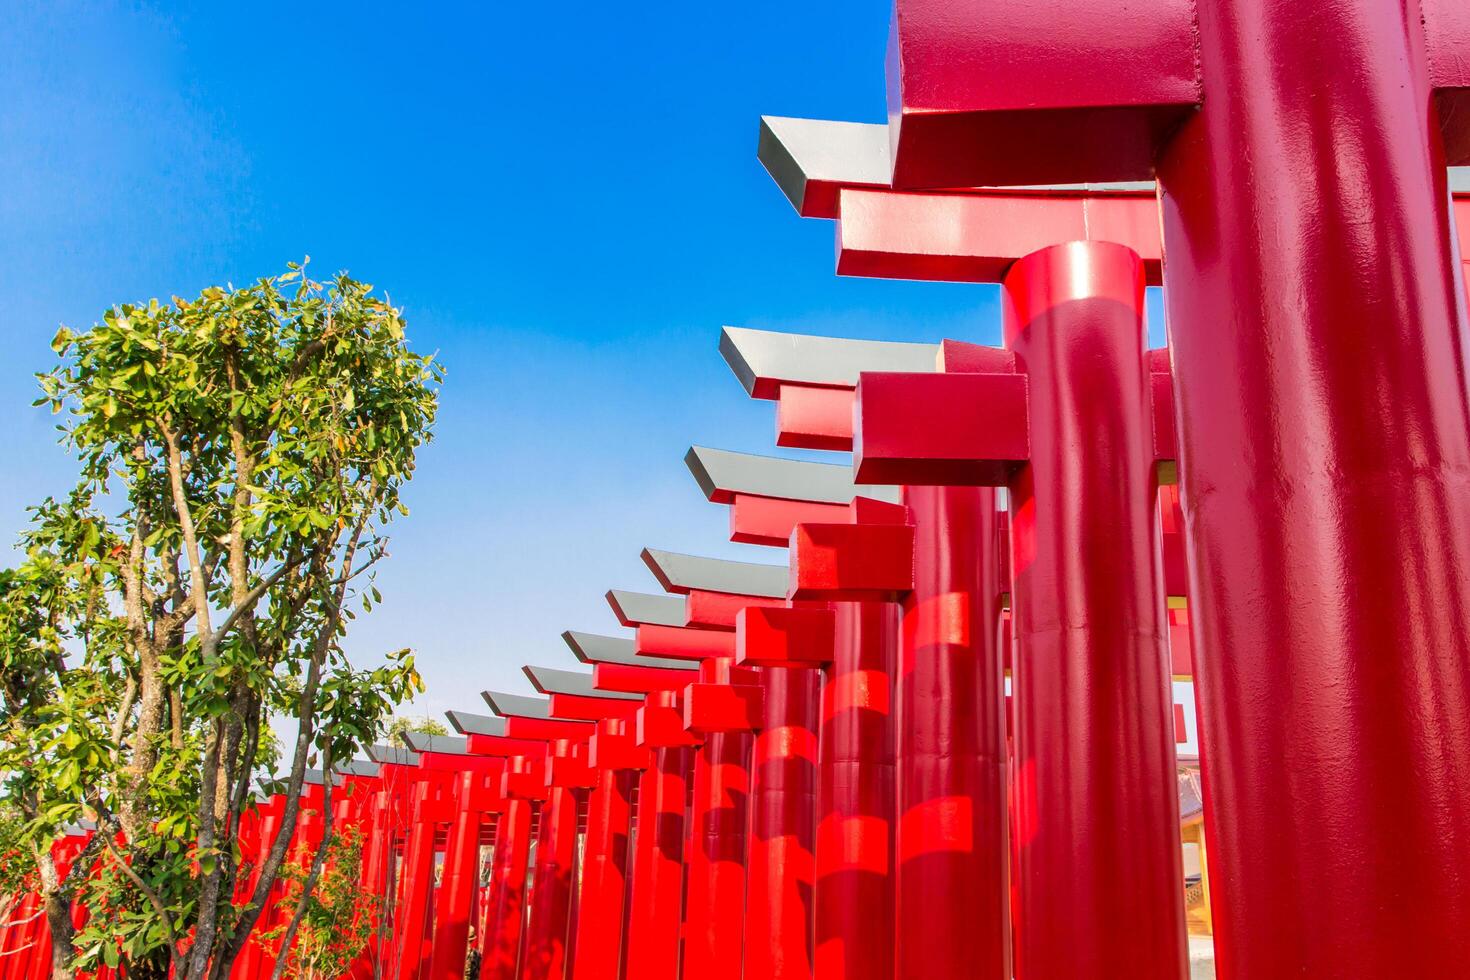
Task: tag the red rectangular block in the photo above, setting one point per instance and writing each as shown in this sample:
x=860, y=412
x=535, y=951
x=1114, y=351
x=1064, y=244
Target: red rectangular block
x=717, y=610
x=580, y=708
x=679, y=643
x=987, y=94
x=525, y=780
x=809, y=417
x=628, y=679
x=788, y=637
x=976, y=237
x=1161, y=391
x=544, y=728
x=570, y=771
x=499, y=745
x=614, y=747
x=851, y=562
x=940, y=429
x=769, y=520
x=661, y=726
x=712, y=708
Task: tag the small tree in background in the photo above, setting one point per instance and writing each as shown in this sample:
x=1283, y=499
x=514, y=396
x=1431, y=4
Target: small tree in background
x=241, y=455
x=399, y=727
x=338, y=918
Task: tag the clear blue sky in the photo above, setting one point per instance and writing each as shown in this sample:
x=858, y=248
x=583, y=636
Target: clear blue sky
x=565, y=197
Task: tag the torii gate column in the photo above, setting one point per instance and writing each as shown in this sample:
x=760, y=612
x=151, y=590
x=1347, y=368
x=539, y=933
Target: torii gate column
x=1334, y=677
x=1322, y=417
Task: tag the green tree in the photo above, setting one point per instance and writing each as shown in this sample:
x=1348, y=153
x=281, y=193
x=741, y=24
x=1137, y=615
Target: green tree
x=241, y=456
x=337, y=920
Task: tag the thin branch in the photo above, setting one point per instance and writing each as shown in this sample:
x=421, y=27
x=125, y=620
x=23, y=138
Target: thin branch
x=198, y=585
x=252, y=597
x=171, y=933
x=317, y=862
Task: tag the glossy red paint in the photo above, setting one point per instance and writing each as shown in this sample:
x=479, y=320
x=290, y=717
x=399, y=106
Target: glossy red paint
x=656, y=895
x=477, y=794
x=717, y=610
x=812, y=417
x=544, y=946
x=577, y=707
x=714, y=707
x=604, y=876
x=680, y=643
x=1323, y=457
x=927, y=429
x=951, y=911
x=433, y=805
x=853, y=887
x=851, y=562
x=547, y=729
x=659, y=723
x=801, y=636
x=714, y=912
x=637, y=680
x=506, y=913
x=976, y=235
x=990, y=93
x=1093, y=704
x=781, y=861
x=769, y=520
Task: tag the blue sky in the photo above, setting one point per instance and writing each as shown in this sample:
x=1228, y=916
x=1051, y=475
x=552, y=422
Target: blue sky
x=565, y=198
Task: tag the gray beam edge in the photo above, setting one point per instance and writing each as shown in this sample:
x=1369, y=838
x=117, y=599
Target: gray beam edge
x=808, y=359
x=594, y=648
x=682, y=573
x=447, y=744
x=392, y=755
x=549, y=680
x=641, y=608
x=468, y=723
x=719, y=471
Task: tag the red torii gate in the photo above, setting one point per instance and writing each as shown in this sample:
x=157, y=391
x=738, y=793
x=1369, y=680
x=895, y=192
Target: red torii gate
x=1317, y=334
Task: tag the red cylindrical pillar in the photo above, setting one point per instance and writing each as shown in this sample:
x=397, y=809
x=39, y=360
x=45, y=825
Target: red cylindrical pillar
x=952, y=916
x=604, y=876
x=783, y=791
x=658, y=861
x=418, y=886
x=714, y=912
x=1100, y=874
x=544, y=947
x=457, y=885
x=1324, y=446
x=506, y=904
x=853, y=891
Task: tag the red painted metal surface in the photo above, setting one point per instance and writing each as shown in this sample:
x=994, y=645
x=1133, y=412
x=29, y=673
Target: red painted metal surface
x=781, y=861
x=604, y=876
x=1096, y=801
x=801, y=636
x=717, y=610
x=1011, y=94
x=637, y=680
x=656, y=895
x=577, y=707
x=853, y=886
x=851, y=561
x=433, y=805
x=722, y=707
x=680, y=643
x=951, y=907
x=1323, y=453
x=769, y=520
x=714, y=913
x=544, y=944
x=965, y=444
x=476, y=793
x=508, y=892
x=975, y=236
x=811, y=417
